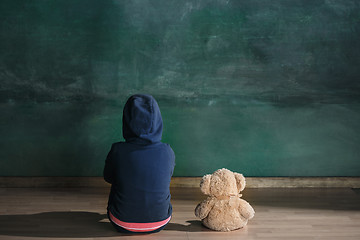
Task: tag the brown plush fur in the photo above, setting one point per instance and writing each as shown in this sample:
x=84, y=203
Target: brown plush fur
x=224, y=210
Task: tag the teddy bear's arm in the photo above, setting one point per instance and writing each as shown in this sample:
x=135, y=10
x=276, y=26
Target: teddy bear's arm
x=246, y=210
x=203, y=208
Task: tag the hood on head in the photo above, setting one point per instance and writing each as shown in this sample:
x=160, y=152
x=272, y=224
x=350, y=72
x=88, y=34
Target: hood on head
x=142, y=119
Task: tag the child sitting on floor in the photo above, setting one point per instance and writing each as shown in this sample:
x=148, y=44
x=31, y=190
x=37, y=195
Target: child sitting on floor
x=139, y=170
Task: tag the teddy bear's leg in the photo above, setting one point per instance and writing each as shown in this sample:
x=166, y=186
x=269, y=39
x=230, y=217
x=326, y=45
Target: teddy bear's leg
x=205, y=222
x=222, y=226
x=214, y=226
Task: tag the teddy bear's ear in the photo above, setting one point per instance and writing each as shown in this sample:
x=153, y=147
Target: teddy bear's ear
x=240, y=181
x=205, y=184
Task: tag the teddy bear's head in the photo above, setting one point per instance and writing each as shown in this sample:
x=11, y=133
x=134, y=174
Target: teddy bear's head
x=222, y=182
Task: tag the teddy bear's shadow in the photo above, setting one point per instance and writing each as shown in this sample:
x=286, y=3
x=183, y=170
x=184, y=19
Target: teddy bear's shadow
x=192, y=226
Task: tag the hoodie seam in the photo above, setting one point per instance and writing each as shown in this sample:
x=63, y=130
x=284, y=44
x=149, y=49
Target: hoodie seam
x=152, y=115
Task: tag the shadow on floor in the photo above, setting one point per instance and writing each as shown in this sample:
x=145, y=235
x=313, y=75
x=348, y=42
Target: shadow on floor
x=192, y=226
x=57, y=224
x=73, y=225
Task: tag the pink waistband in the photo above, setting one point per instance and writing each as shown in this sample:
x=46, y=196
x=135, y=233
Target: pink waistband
x=139, y=227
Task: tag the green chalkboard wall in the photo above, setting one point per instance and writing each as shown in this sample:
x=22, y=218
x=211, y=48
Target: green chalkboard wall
x=266, y=88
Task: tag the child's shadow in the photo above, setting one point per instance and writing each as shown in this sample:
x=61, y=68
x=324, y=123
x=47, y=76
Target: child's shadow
x=57, y=224
x=193, y=226
x=72, y=225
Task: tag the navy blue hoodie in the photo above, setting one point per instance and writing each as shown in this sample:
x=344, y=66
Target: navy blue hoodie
x=140, y=168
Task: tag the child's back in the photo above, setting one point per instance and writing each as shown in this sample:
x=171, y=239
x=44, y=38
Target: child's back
x=140, y=170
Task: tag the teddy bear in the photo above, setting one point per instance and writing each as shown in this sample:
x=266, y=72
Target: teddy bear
x=223, y=210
